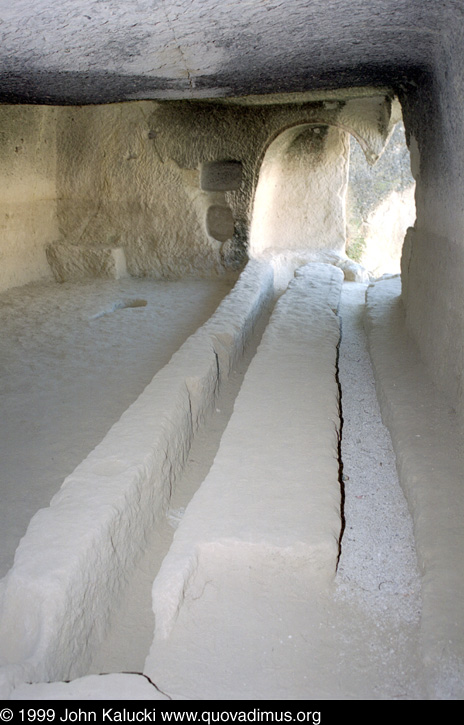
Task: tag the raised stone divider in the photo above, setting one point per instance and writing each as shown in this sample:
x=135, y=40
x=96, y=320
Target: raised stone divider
x=269, y=509
x=73, y=560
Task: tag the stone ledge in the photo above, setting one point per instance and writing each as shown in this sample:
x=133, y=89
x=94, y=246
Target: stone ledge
x=74, y=262
x=429, y=450
x=273, y=491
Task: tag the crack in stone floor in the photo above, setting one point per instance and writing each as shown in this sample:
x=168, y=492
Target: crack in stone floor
x=372, y=618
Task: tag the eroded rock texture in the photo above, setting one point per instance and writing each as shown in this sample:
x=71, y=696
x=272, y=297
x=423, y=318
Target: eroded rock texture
x=122, y=107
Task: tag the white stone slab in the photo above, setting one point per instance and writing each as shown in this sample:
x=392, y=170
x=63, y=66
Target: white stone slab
x=72, y=262
x=273, y=490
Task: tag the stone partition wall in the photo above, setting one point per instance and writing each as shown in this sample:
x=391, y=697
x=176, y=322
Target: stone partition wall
x=429, y=459
x=132, y=176
x=433, y=254
x=117, y=189
x=28, y=204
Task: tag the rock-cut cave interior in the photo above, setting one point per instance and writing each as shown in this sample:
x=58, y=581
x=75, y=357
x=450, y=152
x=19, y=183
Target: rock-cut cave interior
x=231, y=439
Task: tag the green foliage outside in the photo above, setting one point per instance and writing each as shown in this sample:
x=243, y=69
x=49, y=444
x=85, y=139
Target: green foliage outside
x=369, y=185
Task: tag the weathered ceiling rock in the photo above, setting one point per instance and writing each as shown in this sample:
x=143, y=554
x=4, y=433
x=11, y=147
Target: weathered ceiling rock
x=95, y=51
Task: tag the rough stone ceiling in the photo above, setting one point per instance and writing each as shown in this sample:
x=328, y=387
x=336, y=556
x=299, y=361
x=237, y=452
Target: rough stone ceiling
x=94, y=51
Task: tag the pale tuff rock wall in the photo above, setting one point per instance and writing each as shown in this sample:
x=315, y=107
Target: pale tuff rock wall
x=132, y=176
x=117, y=189
x=429, y=455
x=300, y=199
x=28, y=214
x=115, y=686
x=433, y=254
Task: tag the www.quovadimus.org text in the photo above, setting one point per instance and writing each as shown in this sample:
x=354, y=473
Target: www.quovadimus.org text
x=205, y=717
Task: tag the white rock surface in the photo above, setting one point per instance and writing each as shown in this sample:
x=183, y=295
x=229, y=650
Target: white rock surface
x=80, y=51
x=71, y=262
x=118, y=686
x=28, y=192
x=70, y=565
x=74, y=357
x=300, y=195
x=268, y=513
x=425, y=431
x=256, y=619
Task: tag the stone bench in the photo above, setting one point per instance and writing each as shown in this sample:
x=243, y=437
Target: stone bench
x=74, y=262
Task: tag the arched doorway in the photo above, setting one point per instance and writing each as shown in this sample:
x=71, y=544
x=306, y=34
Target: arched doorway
x=299, y=202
